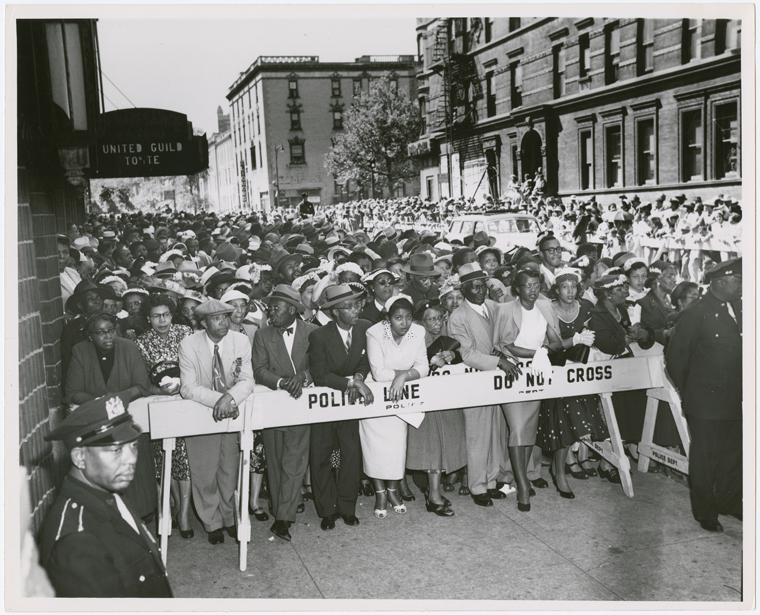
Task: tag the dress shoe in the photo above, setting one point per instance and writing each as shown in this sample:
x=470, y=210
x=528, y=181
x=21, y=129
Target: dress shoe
x=532, y=492
x=407, y=497
x=231, y=531
x=439, y=509
x=579, y=474
x=481, y=499
x=540, y=483
x=367, y=490
x=301, y=507
x=258, y=513
x=349, y=519
x=523, y=507
x=611, y=475
x=328, y=523
x=711, y=526
x=280, y=529
x=568, y=495
x=216, y=537
x=495, y=494
x=186, y=534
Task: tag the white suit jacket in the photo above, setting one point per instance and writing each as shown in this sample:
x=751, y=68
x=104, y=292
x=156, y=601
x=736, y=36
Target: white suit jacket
x=195, y=361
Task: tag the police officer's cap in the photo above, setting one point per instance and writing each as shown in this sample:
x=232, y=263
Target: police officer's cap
x=725, y=269
x=100, y=422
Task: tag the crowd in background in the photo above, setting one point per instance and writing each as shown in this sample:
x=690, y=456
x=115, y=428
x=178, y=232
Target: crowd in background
x=373, y=289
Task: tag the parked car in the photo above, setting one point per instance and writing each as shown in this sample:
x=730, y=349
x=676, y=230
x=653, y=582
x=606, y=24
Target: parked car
x=509, y=229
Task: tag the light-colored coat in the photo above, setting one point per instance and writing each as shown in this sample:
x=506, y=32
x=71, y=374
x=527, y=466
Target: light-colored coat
x=509, y=319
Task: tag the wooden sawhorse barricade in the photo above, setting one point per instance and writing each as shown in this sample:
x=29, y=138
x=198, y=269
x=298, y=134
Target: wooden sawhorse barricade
x=169, y=418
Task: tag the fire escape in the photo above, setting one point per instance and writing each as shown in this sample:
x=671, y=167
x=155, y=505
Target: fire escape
x=459, y=90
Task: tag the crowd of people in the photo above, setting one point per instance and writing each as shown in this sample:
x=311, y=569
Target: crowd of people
x=207, y=306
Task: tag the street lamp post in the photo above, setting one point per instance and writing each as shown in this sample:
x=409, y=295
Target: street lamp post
x=277, y=148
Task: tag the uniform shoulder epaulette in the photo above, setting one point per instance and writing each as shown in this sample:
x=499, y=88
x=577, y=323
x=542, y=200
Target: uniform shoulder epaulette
x=72, y=519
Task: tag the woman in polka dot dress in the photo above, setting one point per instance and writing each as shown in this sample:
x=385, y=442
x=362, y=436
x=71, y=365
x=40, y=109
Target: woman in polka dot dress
x=564, y=421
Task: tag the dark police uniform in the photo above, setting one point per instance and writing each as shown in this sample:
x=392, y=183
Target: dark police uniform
x=89, y=550
x=704, y=360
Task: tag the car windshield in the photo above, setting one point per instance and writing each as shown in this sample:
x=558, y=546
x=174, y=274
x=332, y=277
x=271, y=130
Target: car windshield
x=513, y=225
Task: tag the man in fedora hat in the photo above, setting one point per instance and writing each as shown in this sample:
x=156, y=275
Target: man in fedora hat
x=422, y=275
x=704, y=360
x=215, y=370
x=338, y=359
x=472, y=325
x=281, y=362
x=92, y=544
x=285, y=266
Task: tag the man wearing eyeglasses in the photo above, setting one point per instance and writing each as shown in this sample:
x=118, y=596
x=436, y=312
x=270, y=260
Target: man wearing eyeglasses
x=338, y=359
x=551, y=258
x=704, y=360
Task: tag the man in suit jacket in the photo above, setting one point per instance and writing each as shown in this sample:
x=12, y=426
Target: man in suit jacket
x=216, y=371
x=338, y=359
x=471, y=324
x=704, y=360
x=93, y=543
x=281, y=361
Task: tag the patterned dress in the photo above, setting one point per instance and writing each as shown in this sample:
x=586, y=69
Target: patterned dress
x=155, y=349
x=565, y=420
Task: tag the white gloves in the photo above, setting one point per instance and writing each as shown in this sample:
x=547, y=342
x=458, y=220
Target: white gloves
x=541, y=366
x=585, y=337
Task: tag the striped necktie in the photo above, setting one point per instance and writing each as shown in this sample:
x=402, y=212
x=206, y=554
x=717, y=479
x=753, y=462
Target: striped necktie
x=217, y=369
x=348, y=342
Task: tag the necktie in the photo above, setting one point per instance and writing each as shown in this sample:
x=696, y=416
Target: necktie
x=348, y=342
x=288, y=330
x=220, y=382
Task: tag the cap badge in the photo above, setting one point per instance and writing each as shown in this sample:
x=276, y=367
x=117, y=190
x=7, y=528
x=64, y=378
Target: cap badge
x=114, y=407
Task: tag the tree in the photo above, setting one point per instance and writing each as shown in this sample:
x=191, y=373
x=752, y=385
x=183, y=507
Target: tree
x=378, y=127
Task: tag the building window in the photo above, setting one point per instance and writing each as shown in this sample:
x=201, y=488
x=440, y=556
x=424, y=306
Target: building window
x=728, y=35
x=559, y=71
x=612, y=55
x=584, y=61
x=691, y=47
x=357, y=86
x=515, y=162
x=337, y=120
x=691, y=148
x=646, y=149
x=514, y=24
x=256, y=93
x=297, y=154
x=242, y=124
x=292, y=88
x=253, y=156
x=488, y=29
x=645, y=55
x=261, y=157
x=258, y=124
x=726, y=140
x=614, y=156
x=295, y=120
x=249, y=99
x=587, y=159
x=335, y=85
x=490, y=95
x=429, y=187
x=423, y=115
x=515, y=72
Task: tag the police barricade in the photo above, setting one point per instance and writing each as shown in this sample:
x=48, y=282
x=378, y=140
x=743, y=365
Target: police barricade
x=463, y=387
x=171, y=417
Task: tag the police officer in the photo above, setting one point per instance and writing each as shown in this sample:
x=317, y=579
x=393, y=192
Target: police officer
x=305, y=207
x=92, y=544
x=704, y=360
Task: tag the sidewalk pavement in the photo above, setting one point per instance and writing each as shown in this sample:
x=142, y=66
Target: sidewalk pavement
x=601, y=546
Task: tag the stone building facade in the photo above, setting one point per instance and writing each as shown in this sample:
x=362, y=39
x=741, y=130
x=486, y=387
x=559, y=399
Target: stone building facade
x=600, y=106
x=285, y=112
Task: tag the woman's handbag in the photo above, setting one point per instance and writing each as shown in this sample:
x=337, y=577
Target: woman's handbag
x=578, y=353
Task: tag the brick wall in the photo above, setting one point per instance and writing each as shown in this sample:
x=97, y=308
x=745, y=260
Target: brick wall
x=40, y=323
